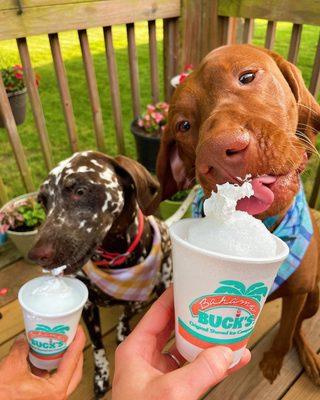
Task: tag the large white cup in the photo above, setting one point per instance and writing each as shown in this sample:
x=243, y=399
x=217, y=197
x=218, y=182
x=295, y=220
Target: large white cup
x=50, y=335
x=217, y=298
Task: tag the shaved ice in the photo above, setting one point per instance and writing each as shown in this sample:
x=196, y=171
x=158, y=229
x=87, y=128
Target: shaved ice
x=52, y=295
x=231, y=232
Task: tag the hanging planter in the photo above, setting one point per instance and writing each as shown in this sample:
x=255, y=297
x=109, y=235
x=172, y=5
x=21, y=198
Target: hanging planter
x=16, y=91
x=18, y=103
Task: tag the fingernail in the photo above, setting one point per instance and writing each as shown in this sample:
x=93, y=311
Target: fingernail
x=228, y=354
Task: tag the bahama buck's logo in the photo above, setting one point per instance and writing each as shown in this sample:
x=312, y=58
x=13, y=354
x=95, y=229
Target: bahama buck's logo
x=225, y=317
x=48, y=343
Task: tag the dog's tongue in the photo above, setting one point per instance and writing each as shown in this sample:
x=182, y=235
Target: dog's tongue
x=262, y=198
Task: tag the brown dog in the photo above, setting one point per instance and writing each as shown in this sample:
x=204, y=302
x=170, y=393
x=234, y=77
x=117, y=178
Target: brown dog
x=246, y=110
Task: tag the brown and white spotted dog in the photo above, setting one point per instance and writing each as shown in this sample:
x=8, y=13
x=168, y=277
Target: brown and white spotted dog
x=92, y=202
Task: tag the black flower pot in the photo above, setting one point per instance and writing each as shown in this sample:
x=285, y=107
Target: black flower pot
x=18, y=102
x=147, y=146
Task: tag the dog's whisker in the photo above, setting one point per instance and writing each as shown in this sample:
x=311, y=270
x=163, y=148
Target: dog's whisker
x=308, y=127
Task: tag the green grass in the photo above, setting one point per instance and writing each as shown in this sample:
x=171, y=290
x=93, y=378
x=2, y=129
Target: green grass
x=309, y=40
x=42, y=63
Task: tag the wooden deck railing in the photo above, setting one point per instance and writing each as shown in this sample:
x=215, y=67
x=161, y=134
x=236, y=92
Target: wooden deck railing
x=299, y=13
x=38, y=17
x=190, y=30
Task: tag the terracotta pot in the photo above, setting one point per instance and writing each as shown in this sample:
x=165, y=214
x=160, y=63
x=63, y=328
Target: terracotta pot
x=18, y=103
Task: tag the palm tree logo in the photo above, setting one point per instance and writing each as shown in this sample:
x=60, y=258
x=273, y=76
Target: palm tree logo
x=61, y=329
x=256, y=291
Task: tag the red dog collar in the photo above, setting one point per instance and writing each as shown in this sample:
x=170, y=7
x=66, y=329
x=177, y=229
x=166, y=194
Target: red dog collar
x=115, y=259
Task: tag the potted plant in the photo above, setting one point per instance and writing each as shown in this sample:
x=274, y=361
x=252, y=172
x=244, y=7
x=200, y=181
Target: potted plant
x=176, y=80
x=147, y=132
x=170, y=206
x=16, y=92
x=20, y=218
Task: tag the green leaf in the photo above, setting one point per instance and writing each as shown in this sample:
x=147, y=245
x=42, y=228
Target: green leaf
x=256, y=297
x=236, y=284
x=257, y=288
x=41, y=327
x=256, y=285
x=61, y=328
x=262, y=291
x=228, y=290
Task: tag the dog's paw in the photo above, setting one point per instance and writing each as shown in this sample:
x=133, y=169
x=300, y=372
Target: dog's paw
x=101, y=373
x=271, y=365
x=311, y=362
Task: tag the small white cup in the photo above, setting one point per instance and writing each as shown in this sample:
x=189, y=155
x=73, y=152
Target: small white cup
x=217, y=298
x=49, y=335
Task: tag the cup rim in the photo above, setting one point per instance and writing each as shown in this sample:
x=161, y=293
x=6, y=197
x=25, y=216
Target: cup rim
x=59, y=315
x=236, y=259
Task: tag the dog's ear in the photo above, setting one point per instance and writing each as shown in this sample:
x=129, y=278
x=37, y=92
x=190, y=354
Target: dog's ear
x=309, y=109
x=147, y=188
x=171, y=170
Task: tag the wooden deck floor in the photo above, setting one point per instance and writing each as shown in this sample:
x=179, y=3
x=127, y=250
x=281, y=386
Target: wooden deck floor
x=247, y=384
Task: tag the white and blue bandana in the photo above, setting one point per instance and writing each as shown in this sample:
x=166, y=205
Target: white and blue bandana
x=295, y=229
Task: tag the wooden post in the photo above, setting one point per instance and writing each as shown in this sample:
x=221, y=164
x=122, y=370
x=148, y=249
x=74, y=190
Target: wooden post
x=295, y=43
x=248, y=30
x=114, y=88
x=63, y=86
x=170, y=54
x=14, y=138
x=198, y=30
x=134, y=70
x=153, y=55
x=271, y=34
x=92, y=89
x=315, y=78
x=35, y=101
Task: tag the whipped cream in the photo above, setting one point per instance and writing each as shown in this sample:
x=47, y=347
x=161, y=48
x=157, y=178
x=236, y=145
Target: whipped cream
x=228, y=231
x=223, y=204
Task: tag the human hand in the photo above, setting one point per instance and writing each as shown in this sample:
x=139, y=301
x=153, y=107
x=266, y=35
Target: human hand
x=21, y=381
x=143, y=372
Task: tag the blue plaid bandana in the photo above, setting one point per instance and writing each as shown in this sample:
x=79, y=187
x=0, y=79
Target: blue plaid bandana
x=295, y=229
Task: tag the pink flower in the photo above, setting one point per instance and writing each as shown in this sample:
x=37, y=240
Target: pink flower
x=150, y=108
x=18, y=76
x=140, y=122
x=4, y=228
x=158, y=117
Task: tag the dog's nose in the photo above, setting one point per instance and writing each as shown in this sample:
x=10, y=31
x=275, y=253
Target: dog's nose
x=228, y=149
x=41, y=253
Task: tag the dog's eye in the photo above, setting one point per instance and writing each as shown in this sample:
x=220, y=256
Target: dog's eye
x=246, y=78
x=80, y=191
x=183, y=126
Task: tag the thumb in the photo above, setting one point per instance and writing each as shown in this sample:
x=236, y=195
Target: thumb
x=19, y=352
x=207, y=370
